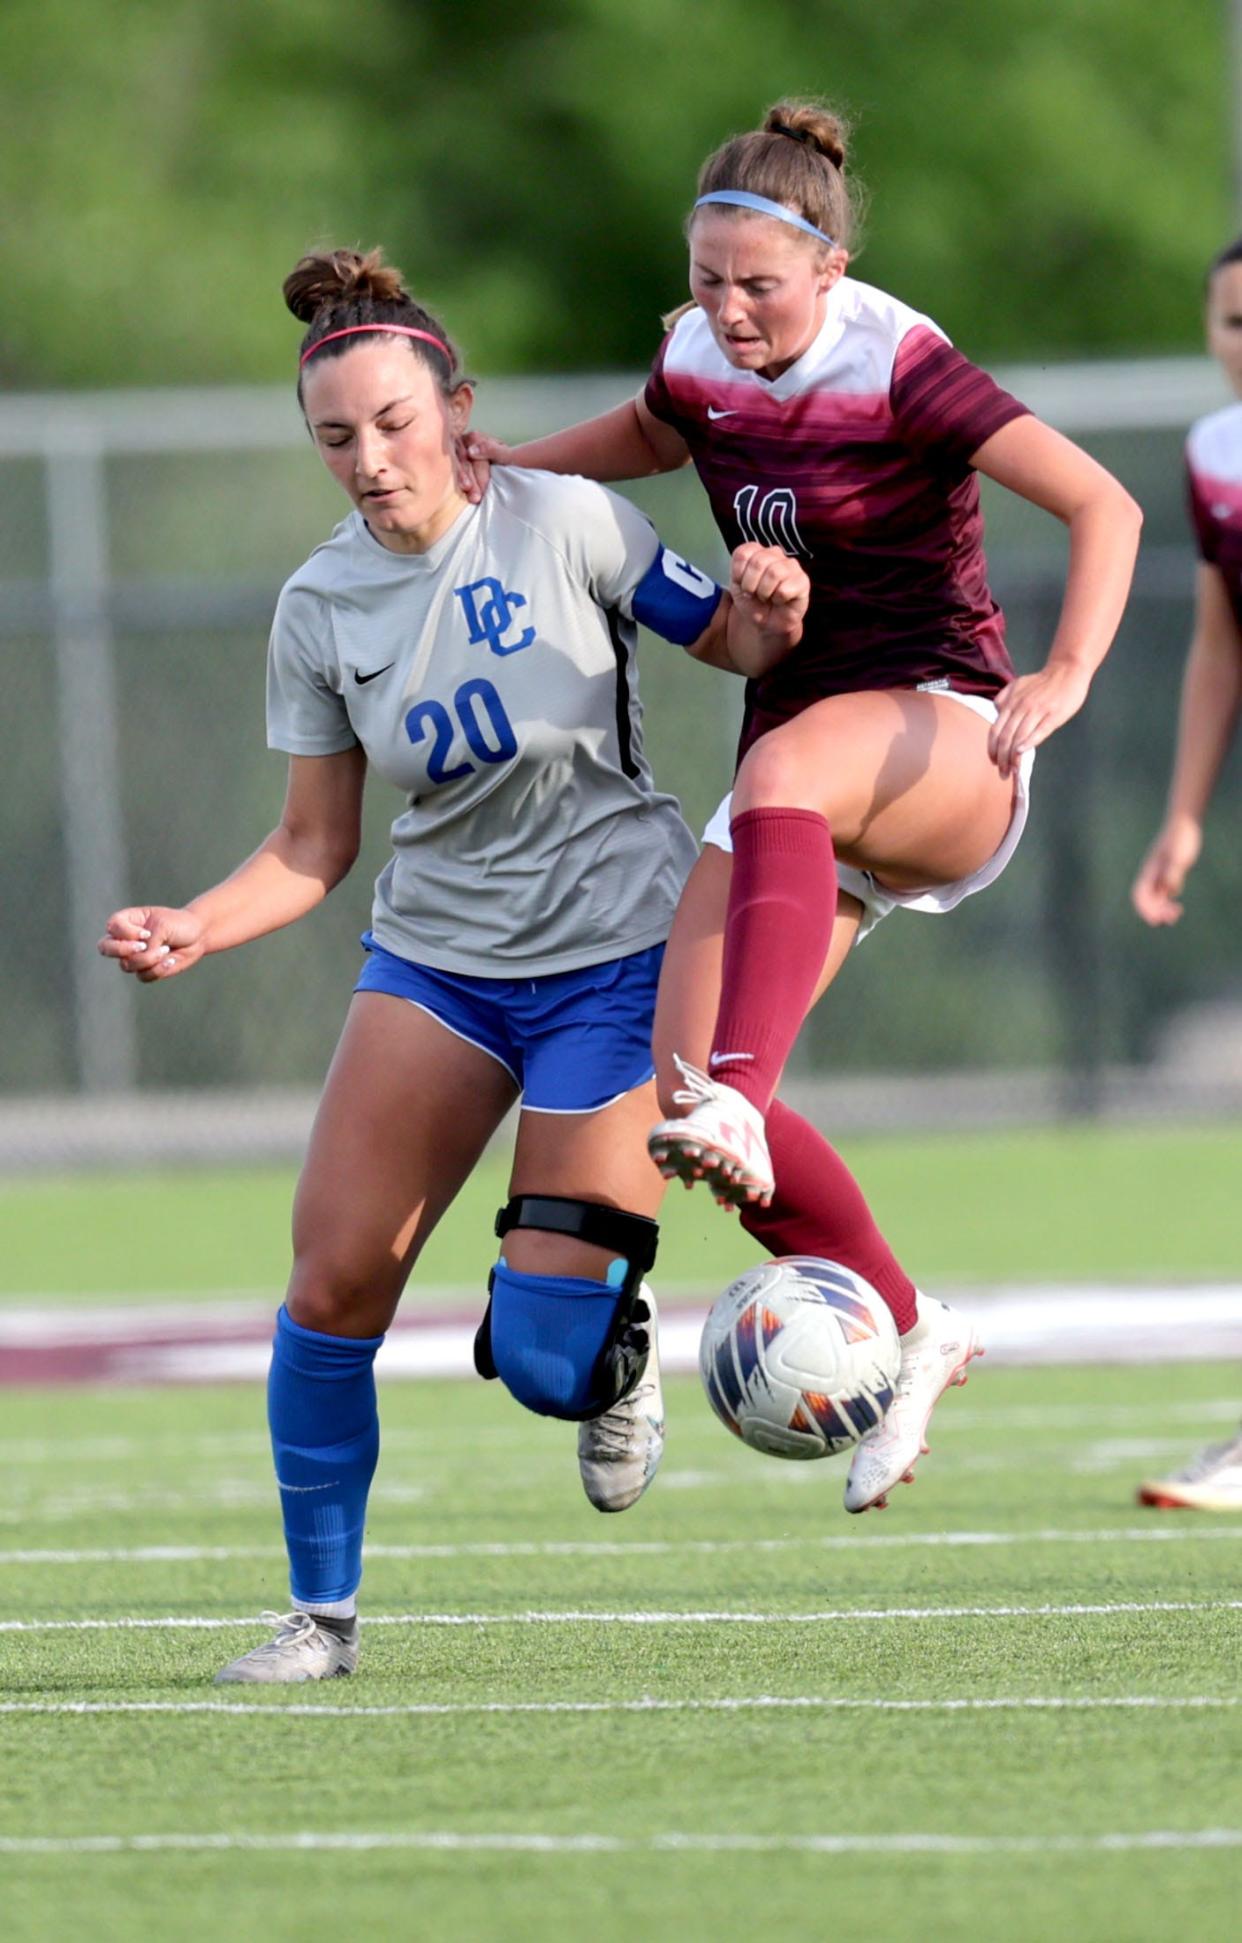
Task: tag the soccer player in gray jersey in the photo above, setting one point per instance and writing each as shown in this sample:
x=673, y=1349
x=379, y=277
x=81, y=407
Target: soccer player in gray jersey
x=483, y=660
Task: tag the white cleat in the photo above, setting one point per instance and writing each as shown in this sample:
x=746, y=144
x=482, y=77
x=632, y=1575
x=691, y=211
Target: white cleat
x=301, y=1650
x=719, y=1140
x=1212, y=1481
x=619, y=1453
x=929, y=1365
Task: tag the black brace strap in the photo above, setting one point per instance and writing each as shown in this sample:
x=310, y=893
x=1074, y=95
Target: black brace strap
x=632, y=1235
x=635, y=1236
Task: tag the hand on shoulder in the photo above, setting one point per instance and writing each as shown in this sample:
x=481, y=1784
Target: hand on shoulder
x=474, y=455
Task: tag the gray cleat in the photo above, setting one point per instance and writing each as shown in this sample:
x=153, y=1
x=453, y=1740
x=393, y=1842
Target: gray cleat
x=619, y=1453
x=301, y=1650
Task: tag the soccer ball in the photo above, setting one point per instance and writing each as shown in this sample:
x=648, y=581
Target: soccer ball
x=800, y=1357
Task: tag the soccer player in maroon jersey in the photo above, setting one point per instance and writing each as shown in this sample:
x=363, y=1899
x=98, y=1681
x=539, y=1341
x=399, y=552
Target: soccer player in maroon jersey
x=886, y=761
x=1211, y=700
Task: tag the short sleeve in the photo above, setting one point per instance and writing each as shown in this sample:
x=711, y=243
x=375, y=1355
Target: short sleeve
x=1206, y=529
x=945, y=407
x=306, y=716
x=609, y=542
x=655, y=393
x=657, y=396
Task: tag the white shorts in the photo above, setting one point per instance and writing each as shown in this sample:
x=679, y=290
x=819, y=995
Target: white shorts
x=878, y=902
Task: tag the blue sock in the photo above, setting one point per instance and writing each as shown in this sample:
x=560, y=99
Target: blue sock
x=325, y=1440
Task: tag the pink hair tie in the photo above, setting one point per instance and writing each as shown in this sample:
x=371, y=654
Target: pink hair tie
x=399, y=330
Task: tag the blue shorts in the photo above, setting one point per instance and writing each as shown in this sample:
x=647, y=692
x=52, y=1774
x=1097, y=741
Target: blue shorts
x=574, y=1041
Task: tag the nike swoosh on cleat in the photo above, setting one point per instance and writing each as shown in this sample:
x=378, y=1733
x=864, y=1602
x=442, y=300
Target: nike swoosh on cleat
x=374, y=675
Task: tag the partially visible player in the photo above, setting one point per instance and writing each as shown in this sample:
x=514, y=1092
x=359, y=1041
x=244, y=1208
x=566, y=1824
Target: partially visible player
x=1211, y=700
x=886, y=761
x=482, y=659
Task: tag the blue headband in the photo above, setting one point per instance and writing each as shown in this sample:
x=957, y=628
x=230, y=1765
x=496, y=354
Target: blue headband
x=742, y=199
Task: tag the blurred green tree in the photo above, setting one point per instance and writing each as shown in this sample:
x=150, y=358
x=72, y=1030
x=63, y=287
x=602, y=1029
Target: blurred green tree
x=1047, y=178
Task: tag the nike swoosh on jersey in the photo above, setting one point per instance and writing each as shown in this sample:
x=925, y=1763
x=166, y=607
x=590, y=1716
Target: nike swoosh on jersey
x=374, y=675
x=713, y=413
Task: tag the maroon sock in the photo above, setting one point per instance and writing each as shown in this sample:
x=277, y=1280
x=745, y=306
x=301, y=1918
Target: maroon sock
x=782, y=905
x=818, y=1209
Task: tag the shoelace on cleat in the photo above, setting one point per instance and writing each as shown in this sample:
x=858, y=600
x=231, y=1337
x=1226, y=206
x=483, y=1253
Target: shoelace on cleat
x=698, y=1087
x=294, y=1627
x=611, y=1432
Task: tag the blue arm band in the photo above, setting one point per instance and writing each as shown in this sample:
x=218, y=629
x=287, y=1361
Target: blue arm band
x=674, y=599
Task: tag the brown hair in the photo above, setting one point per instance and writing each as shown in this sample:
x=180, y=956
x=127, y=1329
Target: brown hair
x=1232, y=253
x=796, y=157
x=336, y=290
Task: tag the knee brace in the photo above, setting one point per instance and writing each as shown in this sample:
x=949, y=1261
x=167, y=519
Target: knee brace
x=566, y=1346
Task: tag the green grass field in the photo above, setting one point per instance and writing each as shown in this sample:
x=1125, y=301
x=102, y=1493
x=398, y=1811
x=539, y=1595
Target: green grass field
x=1069, y=1663
x=1009, y=1707
x=1051, y=1205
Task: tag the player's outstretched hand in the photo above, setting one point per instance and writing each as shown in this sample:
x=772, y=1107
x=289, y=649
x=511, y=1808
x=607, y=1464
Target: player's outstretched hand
x=1156, y=891
x=769, y=589
x=152, y=941
x=475, y=455
x=1031, y=708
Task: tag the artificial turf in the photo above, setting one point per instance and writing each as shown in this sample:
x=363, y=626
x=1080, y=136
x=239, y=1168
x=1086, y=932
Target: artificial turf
x=1027, y=1502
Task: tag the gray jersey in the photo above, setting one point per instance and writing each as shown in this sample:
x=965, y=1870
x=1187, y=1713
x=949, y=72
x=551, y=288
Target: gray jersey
x=493, y=680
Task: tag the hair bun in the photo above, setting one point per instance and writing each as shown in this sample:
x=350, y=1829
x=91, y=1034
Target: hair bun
x=813, y=126
x=327, y=278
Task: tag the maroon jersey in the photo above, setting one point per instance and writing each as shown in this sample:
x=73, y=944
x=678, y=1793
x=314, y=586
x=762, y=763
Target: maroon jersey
x=856, y=459
x=1214, y=478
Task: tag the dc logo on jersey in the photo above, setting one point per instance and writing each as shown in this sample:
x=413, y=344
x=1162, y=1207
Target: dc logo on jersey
x=489, y=610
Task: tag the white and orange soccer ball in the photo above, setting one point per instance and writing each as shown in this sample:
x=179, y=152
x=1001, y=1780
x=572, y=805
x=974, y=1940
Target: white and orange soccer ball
x=800, y=1358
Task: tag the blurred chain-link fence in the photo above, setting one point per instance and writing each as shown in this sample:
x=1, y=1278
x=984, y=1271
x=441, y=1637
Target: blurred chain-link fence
x=143, y=537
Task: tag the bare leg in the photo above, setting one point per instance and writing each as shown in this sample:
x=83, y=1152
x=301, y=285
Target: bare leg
x=903, y=778
x=598, y=1156
x=407, y=1110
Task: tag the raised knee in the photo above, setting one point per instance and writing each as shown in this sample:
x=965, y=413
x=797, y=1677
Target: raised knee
x=775, y=775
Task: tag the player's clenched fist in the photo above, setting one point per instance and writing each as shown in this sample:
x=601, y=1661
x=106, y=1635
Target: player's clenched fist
x=152, y=941
x=769, y=587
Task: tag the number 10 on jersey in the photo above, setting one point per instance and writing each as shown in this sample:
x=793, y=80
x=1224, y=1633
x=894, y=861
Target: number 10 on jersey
x=770, y=519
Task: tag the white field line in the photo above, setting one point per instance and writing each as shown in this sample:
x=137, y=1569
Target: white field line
x=698, y=1617
x=759, y=1703
x=665, y=1843
x=1080, y=1419
x=1165, y=1534
x=26, y=1506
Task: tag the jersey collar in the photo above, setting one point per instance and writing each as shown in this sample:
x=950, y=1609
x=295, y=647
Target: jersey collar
x=794, y=379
